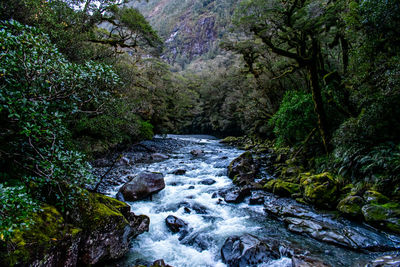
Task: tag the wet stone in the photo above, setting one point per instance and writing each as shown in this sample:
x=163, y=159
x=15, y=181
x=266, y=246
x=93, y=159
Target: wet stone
x=179, y=172
x=175, y=224
x=208, y=182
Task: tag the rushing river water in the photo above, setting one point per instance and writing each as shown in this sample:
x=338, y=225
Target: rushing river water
x=210, y=219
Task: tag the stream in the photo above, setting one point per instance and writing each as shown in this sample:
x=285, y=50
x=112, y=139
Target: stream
x=211, y=220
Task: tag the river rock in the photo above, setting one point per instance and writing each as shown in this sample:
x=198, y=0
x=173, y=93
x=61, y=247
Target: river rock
x=385, y=216
x=247, y=250
x=179, y=172
x=385, y=261
x=351, y=206
x=374, y=197
x=324, y=227
x=282, y=188
x=320, y=189
x=197, y=152
x=243, y=169
x=237, y=196
x=208, y=181
x=142, y=186
x=159, y=156
x=175, y=224
x=257, y=197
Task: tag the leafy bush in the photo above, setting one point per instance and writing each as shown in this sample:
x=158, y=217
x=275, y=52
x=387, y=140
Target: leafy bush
x=40, y=90
x=295, y=118
x=16, y=205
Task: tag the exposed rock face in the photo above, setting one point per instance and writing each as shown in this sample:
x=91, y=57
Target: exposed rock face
x=324, y=227
x=243, y=169
x=142, y=186
x=102, y=232
x=247, y=250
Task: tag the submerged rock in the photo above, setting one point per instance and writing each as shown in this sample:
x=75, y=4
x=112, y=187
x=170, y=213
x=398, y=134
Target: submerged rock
x=247, y=250
x=303, y=261
x=142, y=186
x=243, y=169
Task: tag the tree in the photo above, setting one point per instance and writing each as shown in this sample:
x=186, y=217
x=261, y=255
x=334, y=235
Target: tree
x=303, y=32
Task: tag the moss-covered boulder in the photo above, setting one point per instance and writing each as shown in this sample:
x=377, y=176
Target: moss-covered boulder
x=351, y=206
x=386, y=216
x=109, y=227
x=99, y=229
x=282, y=188
x=374, y=197
x=49, y=241
x=243, y=169
x=320, y=189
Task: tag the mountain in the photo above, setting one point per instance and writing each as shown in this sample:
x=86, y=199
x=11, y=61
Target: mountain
x=191, y=29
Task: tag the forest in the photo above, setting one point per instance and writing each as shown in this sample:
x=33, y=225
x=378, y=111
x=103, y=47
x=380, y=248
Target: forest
x=314, y=81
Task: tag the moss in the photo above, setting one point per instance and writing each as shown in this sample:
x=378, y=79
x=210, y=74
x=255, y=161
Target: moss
x=351, y=206
x=374, y=197
x=320, y=189
x=386, y=216
x=269, y=186
x=285, y=188
x=47, y=230
x=100, y=210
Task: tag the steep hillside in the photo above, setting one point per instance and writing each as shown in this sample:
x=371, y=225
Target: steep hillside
x=192, y=29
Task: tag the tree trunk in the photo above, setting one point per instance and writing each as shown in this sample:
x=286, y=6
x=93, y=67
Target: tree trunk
x=318, y=103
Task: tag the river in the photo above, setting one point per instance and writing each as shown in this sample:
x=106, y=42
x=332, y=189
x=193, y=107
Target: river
x=211, y=220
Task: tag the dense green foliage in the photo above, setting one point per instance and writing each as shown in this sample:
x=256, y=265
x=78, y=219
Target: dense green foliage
x=70, y=89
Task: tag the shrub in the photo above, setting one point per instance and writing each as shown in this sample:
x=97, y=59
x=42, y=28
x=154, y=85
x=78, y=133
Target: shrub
x=295, y=118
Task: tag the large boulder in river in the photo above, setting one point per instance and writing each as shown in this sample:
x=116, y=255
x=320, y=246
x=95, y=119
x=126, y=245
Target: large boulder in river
x=247, y=250
x=142, y=185
x=243, y=169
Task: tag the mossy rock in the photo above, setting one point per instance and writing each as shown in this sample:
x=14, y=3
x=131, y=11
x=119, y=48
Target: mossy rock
x=386, y=216
x=47, y=232
x=374, y=197
x=232, y=140
x=282, y=188
x=320, y=189
x=351, y=206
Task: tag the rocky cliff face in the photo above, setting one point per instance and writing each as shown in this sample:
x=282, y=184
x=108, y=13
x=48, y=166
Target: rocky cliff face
x=190, y=28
